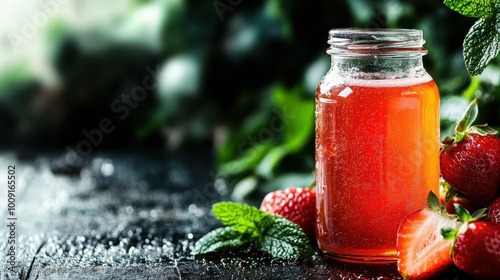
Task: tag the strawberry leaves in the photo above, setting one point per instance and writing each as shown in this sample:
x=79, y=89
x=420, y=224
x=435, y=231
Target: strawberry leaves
x=246, y=224
x=464, y=125
x=469, y=161
x=482, y=42
x=467, y=119
x=433, y=201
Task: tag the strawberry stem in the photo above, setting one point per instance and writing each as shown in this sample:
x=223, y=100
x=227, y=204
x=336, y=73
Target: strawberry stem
x=464, y=215
x=462, y=212
x=449, y=233
x=464, y=125
x=466, y=120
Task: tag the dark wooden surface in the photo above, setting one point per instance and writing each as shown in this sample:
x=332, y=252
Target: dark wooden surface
x=127, y=215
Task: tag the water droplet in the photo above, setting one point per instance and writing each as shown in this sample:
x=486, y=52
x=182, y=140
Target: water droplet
x=153, y=213
x=107, y=169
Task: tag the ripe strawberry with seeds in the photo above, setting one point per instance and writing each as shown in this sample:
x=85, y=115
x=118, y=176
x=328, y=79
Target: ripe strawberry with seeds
x=494, y=211
x=295, y=204
x=470, y=161
x=476, y=248
x=422, y=251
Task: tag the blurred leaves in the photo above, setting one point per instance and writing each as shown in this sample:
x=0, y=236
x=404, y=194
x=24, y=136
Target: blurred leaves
x=246, y=80
x=286, y=132
x=298, y=117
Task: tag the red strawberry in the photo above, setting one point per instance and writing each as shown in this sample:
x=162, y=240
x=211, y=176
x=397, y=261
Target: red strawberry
x=477, y=245
x=470, y=162
x=422, y=251
x=494, y=211
x=477, y=250
x=465, y=202
x=295, y=204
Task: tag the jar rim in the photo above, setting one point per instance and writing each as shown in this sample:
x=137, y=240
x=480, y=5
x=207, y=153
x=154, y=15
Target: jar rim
x=365, y=42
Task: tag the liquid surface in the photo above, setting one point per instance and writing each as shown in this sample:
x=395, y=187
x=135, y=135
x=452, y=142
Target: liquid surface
x=377, y=157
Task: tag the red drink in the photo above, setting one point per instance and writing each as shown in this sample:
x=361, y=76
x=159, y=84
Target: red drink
x=377, y=158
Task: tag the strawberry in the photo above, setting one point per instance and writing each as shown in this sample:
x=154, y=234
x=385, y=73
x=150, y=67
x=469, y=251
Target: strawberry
x=494, y=211
x=476, y=249
x=464, y=201
x=295, y=204
x=450, y=196
x=422, y=251
x=470, y=161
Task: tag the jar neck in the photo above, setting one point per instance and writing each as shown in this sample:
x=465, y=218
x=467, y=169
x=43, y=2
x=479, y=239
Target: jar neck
x=378, y=68
x=377, y=53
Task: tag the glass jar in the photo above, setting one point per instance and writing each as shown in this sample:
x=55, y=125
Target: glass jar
x=377, y=141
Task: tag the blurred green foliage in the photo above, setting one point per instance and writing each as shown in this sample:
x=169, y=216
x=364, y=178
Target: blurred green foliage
x=239, y=79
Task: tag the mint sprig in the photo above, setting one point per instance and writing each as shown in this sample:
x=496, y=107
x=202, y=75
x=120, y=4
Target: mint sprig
x=482, y=42
x=245, y=224
x=245, y=219
x=481, y=45
x=472, y=8
x=219, y=239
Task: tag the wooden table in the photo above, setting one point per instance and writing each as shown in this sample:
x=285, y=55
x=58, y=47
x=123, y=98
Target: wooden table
x=132, y=215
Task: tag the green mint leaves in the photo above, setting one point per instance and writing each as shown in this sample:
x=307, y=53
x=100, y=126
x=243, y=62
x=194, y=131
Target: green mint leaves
x=246, y=224
x=219, y=239
x=245, y=219
x=285, y=240
x=482, y=43
x=472, y=8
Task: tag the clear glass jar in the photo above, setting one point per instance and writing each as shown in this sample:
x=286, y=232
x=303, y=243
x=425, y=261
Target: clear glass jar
x=377, y=141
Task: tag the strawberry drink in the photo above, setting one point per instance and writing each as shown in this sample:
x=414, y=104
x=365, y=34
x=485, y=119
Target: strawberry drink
x=377, y=158
x=377, y=141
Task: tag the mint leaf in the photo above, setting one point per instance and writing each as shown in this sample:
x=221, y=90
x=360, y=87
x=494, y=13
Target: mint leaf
x=243, y=218
x=218, y=239
x=285, y=240
x=472, y=8
x=481, y=45
x=246, y=224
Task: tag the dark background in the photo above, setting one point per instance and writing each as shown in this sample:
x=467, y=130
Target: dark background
x=236, y=78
